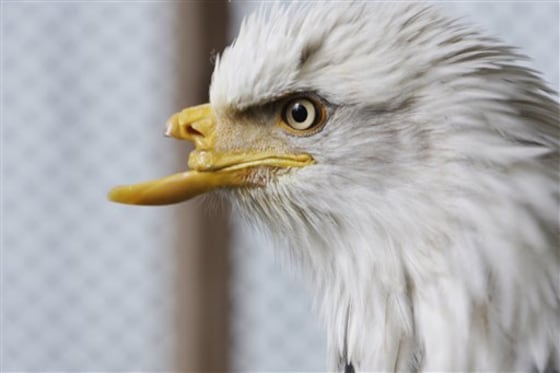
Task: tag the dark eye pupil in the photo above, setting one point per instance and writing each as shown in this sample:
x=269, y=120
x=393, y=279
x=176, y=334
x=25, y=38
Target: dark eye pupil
x=299, y=113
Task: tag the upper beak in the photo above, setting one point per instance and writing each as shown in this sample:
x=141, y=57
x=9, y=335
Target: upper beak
x=209, y=169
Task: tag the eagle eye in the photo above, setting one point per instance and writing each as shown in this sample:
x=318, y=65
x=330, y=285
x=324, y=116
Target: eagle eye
x=303, y=115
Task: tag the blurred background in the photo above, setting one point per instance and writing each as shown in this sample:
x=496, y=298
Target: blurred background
x=87, y=285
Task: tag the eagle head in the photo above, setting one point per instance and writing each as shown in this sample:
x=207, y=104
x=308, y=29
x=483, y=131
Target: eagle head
x=409, y=165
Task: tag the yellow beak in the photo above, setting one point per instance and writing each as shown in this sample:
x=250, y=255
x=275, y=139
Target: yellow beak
x=210, y=169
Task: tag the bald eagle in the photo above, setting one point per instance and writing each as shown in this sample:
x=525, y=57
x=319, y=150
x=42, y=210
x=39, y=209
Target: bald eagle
x=410, y=167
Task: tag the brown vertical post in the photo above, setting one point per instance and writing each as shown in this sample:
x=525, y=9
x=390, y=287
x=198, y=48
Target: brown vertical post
x=202, y=236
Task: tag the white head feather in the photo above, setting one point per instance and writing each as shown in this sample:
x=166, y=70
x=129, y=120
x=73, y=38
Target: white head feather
x=429, y=224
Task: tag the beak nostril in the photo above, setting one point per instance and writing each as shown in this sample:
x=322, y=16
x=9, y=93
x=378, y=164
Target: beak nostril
x=192, y=124
x=193, y=132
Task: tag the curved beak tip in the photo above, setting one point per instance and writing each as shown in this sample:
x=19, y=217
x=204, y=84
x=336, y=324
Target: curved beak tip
x=120, y=194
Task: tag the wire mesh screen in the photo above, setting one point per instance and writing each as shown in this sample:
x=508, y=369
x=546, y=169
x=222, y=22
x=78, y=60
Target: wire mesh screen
x=87, y=285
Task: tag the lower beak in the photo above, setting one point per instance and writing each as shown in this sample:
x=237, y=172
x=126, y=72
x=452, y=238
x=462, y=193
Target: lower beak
x=177, y=187
x=209, y=170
